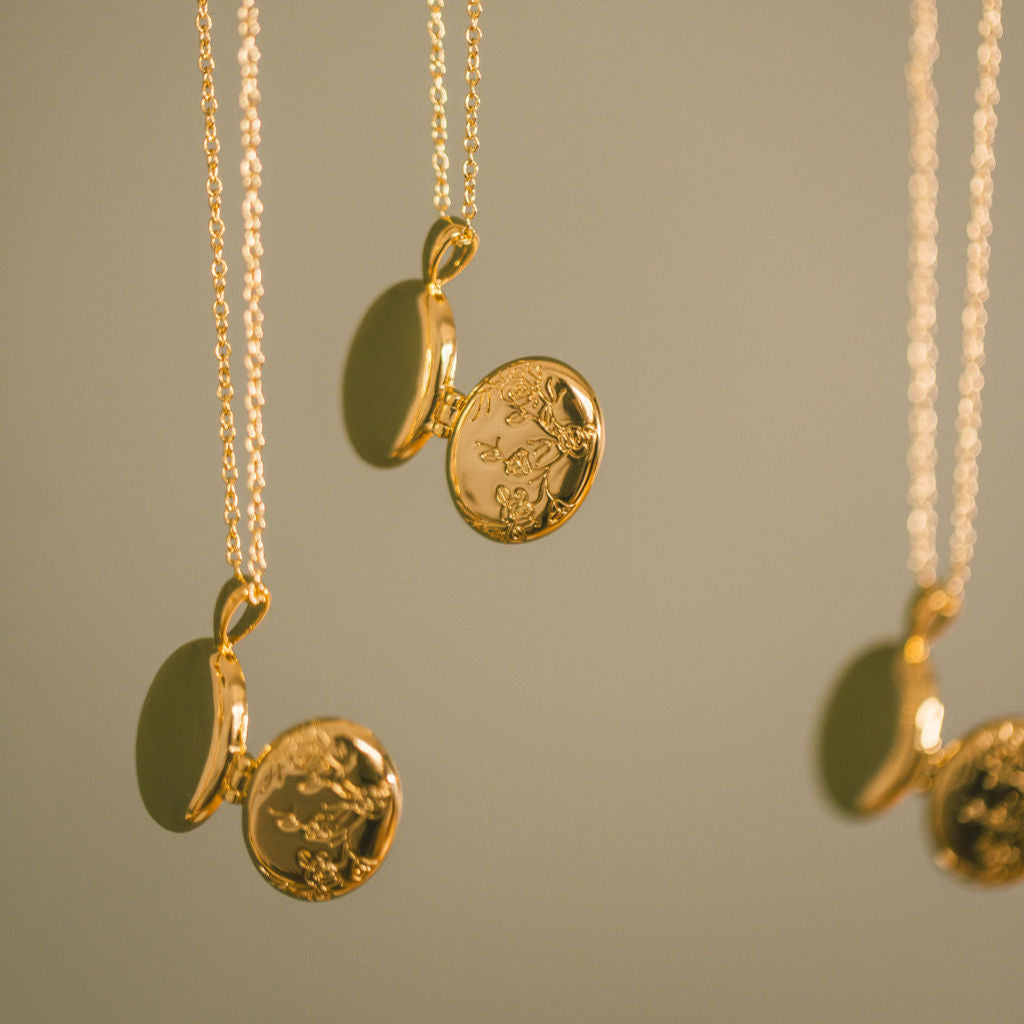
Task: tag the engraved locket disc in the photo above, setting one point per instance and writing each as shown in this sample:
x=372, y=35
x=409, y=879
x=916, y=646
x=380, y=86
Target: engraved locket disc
x=321, y=809
x=524, y=449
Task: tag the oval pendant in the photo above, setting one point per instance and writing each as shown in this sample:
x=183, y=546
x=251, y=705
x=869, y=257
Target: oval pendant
x=321, y=808
x=524, y=449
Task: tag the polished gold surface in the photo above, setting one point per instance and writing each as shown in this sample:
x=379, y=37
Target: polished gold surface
x=922, y=352
x=884, y=719
x=321, y=809
x=884, y=714
x=401, y=358
x=192, y=721
x=524, y=449
x=234, y=615
x=977, y=805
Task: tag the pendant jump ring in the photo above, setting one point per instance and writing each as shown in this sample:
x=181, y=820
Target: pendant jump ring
x=232, y=596
x=450, y=247
x=932, y=612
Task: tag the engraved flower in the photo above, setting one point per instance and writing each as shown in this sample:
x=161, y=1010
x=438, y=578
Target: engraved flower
x=521, y=385
x=573, y=440
x=310, y=755
x=360, y=868
x=559, y=510
x=517, y=511
x=320, y=872
x=518, y=463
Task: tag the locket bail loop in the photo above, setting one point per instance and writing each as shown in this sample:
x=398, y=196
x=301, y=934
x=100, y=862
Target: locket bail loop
x=932, y=612
x=232, y=596
x=450, y=246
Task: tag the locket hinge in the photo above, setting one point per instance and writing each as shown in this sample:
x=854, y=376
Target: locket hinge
x=238, y=777
x=450, y=404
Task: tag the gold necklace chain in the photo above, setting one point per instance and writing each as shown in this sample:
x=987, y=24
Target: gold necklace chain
x=439, y=121
x=252, y=251
x=922, y=352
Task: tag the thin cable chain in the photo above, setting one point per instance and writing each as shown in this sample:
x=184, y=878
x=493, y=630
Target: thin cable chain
x=252, y=251
x=471, y=143
x=252, y=291
x=438, y=100
x=922, y=352
x=219, y=270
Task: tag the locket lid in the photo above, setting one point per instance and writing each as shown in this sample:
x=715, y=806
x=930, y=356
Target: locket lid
x=192, y=728
x=883, y=720
x=402, y=359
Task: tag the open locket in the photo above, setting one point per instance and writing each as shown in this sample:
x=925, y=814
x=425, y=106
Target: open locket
x=523, y=446
x=882, y=738
x=320, y=803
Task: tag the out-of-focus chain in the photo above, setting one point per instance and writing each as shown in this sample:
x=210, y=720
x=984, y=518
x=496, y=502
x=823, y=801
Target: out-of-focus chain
x=922, y=352
x=252, y=251
x=438, y=99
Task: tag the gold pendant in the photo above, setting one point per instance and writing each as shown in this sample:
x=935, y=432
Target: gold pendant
x=320, y=803
x=523, y=446
x=882, y=737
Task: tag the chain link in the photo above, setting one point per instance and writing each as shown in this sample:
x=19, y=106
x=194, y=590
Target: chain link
x=438, y=99
x=252, y=251
x=219, y=270
x=922, y=352
x=252, y=291
x=471, y=143
x=439, y=123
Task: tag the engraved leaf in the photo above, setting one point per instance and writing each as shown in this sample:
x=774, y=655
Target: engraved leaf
x=491, y=452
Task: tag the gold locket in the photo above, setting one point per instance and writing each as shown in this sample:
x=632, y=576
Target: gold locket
x=882, y=738
x=320, y=803
x=523, y=446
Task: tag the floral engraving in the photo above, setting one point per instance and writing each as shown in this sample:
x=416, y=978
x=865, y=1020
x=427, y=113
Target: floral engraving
x=530, y=501
x=338, y=830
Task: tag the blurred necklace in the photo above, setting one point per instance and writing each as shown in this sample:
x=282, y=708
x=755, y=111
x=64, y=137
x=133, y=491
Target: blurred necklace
x=883, y=731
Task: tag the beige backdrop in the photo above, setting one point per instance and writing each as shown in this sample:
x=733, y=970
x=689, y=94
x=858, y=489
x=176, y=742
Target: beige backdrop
x=606, y=738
